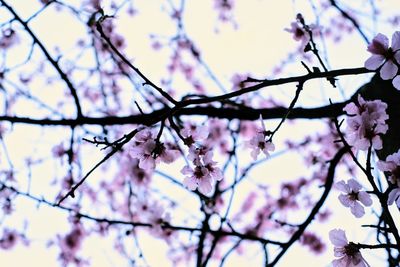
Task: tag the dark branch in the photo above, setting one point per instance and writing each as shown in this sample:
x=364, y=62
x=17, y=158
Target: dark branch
x=351, y=19
x=328, y=186
x=330, y=111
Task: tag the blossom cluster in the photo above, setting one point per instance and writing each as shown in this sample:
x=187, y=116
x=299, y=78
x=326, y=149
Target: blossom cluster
x=204, y=172
x=366, y=122
x=150, y=151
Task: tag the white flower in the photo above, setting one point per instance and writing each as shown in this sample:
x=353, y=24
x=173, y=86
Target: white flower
x=353, y=196
x=348, y=253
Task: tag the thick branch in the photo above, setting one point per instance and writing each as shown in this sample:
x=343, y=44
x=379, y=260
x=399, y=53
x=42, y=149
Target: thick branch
x=329, y=111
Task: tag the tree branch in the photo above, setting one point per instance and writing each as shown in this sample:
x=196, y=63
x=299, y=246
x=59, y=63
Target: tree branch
x=328, y=186
x=53, y=62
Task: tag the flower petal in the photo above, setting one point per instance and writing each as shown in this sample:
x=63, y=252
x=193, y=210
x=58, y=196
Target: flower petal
x=190, y=182
x=388, y=70
x=342, y=186
x=354, y=185
x=357, y=210
x=365, y=198
x=396, y=82
x=205, y=185
x=379, y=44
x=396, y=41
x=345, y=200
x=395, y=193
x=374, y=62
x=338, y=237
x=397, y=56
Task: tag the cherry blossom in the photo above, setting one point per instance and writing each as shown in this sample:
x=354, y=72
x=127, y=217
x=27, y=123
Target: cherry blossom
x=130, y=168
x=259, y=143
x=353, y=196
x=9, y=239
x=366, y=122
x=301, y=32
x=204, y=172
x=145, y=144
x=158, y=218
x=348, y=253
x=385, y=57
x=70, y=244
x=154, y=213
x=313, y=242
x=392, y=166
x=197, y=177
x=194, y=133
x=217, y=136
x=149, y=151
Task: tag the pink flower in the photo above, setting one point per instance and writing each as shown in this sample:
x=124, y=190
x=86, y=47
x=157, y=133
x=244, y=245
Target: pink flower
x=376, y=109
x=366, y=122
x=9, y=239
x=149, y=151
x=301, y=32
x=154, y=214
x=218, y=135
x=385, y=56
x=392, y=166
x=349, y=253
x=70, y=244
x=165, y=152
x=210, y=165
x=258, y=143
x=353, y=196
x=197, y=177
x=204, y=173
x=193, y=133
x=130, y=168
x=143, y=153
x=312, y=241
x=197, y=153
